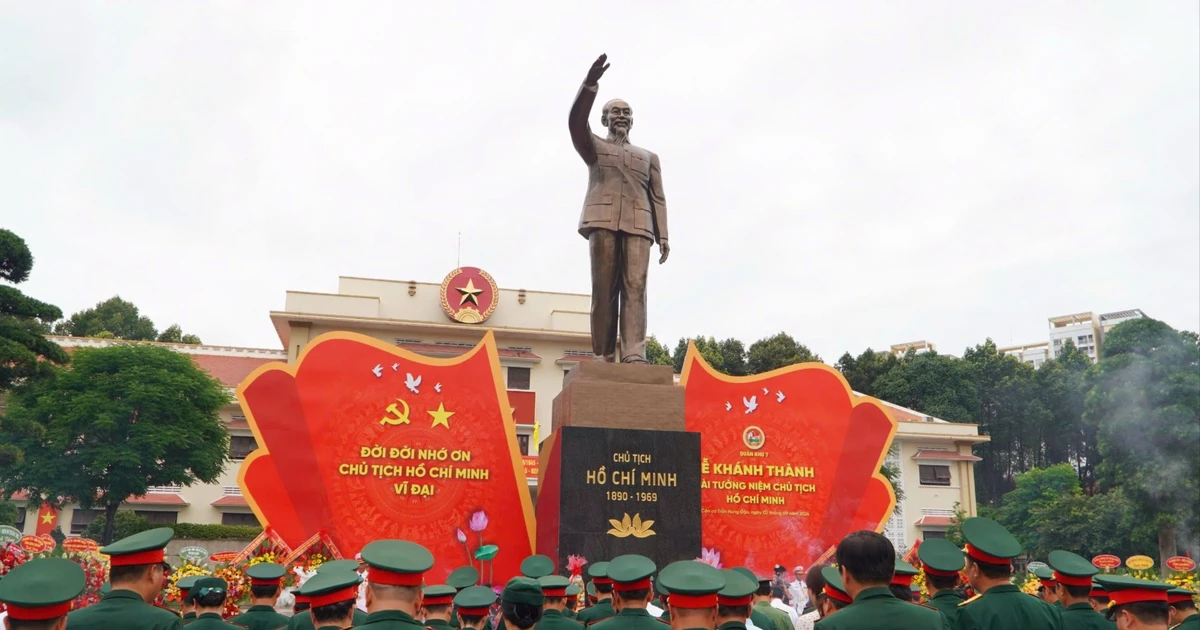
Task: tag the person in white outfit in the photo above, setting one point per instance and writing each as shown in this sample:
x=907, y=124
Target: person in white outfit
x=798, y=590
x=777, y=602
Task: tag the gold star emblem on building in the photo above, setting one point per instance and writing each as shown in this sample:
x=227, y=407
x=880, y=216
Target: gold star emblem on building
x=441, y=416
x=469, y=293
x=48, y=517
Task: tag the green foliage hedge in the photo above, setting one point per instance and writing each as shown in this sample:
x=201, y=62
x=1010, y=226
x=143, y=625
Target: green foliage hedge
x=128, y=523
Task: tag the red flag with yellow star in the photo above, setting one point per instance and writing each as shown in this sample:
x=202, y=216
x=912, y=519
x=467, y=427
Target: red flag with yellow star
x=362, y=440
x=47, y=519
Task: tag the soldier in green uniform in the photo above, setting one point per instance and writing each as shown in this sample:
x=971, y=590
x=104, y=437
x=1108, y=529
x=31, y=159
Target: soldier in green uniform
x=460, y=578
x=662, y=595
x=1098, y=597
x=630, y=575
x=779, y=620
x=692, y=589
x=554, y=603
x=602, y=584
x=733, y=601
x=305, y=621
x=332, y=595
x=999, y=605
x=38, y=593
x=209, y=593
x=942, y=561
x=572, y=600
x=473, y=605
x=902, y=578
x=591, y=593
x=521, y=603
x=1047, y=587
x=1136, y=604
x=867, y=561
x=394, y=597
x=758, y=618
x=833, y=596
x=136, y=571
x=265, y=582
x=1181, y=609
x=186, y=606
x=437, y=602
x=1072, y=575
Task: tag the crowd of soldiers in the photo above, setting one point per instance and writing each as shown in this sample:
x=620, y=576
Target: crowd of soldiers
x=868, y=588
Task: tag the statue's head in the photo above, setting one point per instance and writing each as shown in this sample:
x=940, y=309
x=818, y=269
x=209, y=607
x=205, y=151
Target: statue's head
x=617, y=115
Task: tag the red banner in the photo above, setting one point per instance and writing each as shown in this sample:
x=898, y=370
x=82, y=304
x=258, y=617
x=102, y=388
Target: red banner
x=790, y=462
x=1183, y=564
x=523, y=405
x=223, y=557
x=361, y=440
x=1106, y=561
x=530, y=462
x=33, y=544
x=80, y=545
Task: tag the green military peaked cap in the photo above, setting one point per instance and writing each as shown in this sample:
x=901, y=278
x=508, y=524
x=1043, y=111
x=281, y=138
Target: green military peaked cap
x=462, y=577
x=572, y=589
x=630, y=569
x=748, y=574
x=1181, y=596
x=141, y=548
x=265, y=572
x=904, y=568
x=691, y=584
x=737, y=587
x=331, y=587
x=475, y=601
x=1071, y=569
x=41, y=589
x=186, y=583
x=833, y=585
x=1044, y=573
x=598, y=570
x=940, y=557
x=554, y=585
x=436, y=595
x=591, y=589
x=537, y=566
x=1123, y=589
x=988, y=541
x=206, y=585
x=658, y=587
x=523, y=590
x=397, y=562
x=338, y=565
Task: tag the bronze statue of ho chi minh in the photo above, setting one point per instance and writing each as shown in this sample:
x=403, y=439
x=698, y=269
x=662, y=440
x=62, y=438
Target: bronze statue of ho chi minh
x=624, y=212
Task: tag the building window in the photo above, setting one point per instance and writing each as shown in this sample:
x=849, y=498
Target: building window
x=20, y=524
x=935, y=475
x=241, y=445
x=80, y=519
x=930, y=534
x=518, y=378
x=238, y=518
x=159, y=517
x=523, y=444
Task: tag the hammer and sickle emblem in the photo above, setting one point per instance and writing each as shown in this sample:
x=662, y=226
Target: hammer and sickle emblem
x=401, y=417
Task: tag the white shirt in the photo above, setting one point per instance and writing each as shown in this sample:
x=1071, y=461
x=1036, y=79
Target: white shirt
x=791, y=612
x=799, y=592
x=654, y=611
x=750, y=625
x=361, y=604
x=807, y=622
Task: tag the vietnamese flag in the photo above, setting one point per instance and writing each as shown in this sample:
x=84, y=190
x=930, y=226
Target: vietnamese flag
x=47, y=519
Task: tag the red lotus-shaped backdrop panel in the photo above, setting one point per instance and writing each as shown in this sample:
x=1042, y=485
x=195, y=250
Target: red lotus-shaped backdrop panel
x=360, y=440
x=790, y=462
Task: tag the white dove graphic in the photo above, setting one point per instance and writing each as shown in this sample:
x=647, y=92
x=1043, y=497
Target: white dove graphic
x=395, y=366
x=766, y=391
x=728, y=406
x=412, y=383
x=377, y=371
x=751, y=403
x=438, y=388
x=779, y=396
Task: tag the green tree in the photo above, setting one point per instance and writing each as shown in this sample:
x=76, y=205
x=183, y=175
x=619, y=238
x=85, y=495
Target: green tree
x=1034, y=489
x=733, y=357
x=1145, y=404
x=8, y=513
x=934, y=384
x=1066, y=438
x=114, y=315
x=656, y=353
x=1089, y=525
x=776, y=351
x=24, y=323
x=122, y=419
x=708, y=347
x=174, y=334
x=861, y=371
x=126, y=523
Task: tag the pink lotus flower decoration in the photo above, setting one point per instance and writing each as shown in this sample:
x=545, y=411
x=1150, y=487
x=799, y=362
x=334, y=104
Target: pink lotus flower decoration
x=462, y=536
x=711, y=557
x=479, y=521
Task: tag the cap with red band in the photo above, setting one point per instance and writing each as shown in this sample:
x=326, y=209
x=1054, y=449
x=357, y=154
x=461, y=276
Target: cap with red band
x=989, y=542
x=940, y=557
x=1097, y=591
x=554, y=585
x=903, y=573
x=331, y=587
x=265, y=574
x=738, y=591
x=1071, y=569
x=475, y=601
x=1123, y=590
x=691, y=584
x=41, y=589
x=396, y=562
x=1181, y=596
x=631, y=572
x=142, y=548
x=833, y=586
x=436, y=595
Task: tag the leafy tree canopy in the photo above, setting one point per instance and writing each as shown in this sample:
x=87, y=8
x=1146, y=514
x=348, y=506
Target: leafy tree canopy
x=25, y=353
x=656, y=353
x=122, y=419
x=119, y=319
x=776, y=351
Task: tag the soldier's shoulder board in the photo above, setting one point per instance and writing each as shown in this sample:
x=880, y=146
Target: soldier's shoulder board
x=662, y=621
x=968, y=601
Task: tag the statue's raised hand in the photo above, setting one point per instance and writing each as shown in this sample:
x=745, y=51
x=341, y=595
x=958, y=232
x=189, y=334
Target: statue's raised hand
x=597, y=70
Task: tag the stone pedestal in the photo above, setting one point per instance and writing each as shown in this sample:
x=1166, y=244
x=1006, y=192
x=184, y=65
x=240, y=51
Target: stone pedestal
x=618, y=474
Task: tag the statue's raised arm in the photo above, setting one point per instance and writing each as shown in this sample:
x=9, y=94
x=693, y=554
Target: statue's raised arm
x=581, y=132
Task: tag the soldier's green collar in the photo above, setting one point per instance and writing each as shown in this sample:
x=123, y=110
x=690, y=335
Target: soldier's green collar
x=732, y=625
x=550, y=612
x=876, y=591
x=1003, y=588
x=261, y=608
x=633, y=612
x=944, y=593
x=1081, y=606
x=390, y=615
x=191, y=614
x=209, y=616
x=124, y=594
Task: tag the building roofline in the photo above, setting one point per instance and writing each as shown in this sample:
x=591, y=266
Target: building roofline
x=439, y=285
x=186, y=348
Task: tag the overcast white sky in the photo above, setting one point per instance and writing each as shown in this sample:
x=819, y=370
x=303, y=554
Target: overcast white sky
x=855, y=173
